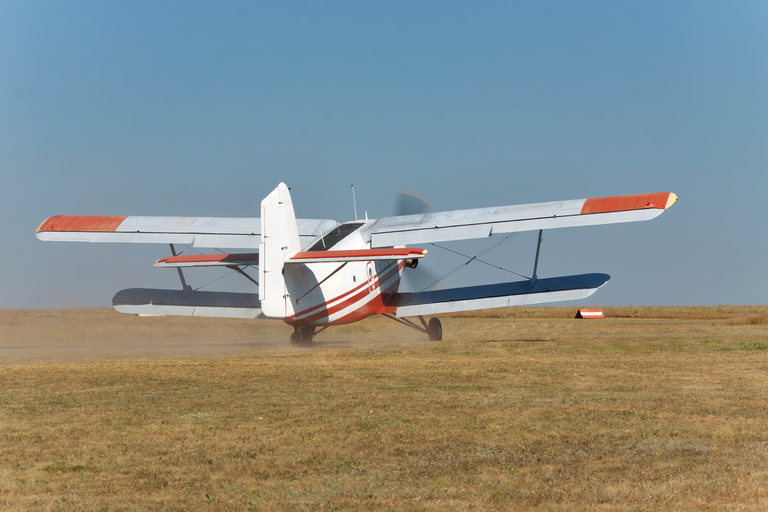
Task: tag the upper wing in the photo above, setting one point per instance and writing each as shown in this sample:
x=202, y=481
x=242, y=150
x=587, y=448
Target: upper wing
x=482, y=222
x=240, y=233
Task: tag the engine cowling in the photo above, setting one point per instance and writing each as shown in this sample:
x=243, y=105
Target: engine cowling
x=412, y=263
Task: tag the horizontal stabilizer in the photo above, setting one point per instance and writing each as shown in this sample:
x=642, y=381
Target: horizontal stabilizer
x=146, y=301
x=209, y=260
x=501, y=295
x=357, y=255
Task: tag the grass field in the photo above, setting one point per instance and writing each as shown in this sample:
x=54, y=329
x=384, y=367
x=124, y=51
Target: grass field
x=526, y=408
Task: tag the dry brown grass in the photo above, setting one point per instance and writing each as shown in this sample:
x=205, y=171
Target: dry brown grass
x=736, y=313
x=507, y=413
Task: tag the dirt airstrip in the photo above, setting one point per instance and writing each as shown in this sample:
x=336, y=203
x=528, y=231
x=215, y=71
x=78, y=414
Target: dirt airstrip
x=526, y=408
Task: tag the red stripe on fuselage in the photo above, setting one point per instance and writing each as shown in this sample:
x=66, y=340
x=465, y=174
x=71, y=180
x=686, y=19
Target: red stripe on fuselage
x=375, y=306
x=325, y=304
x=353, y=290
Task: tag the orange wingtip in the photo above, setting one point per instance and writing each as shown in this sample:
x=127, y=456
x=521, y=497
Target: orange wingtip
x=78, y=223
x=659, y=200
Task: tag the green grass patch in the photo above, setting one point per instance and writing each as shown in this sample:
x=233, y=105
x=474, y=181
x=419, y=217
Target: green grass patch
x=753, y=345
x=65, y=467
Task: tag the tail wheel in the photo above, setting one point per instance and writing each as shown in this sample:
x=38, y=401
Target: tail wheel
x=435, y=330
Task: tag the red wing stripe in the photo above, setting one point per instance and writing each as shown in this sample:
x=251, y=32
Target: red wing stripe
x=81, y=223
x=659, y=200
x=211, y=258
x=361, y=253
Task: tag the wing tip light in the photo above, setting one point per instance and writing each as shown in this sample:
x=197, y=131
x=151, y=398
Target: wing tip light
x=672, y=199
x=41, y=227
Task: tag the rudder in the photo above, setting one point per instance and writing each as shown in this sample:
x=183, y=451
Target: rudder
x=279, y=241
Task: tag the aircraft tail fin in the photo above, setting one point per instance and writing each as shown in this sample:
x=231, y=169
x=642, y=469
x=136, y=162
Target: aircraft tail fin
x=279, y=241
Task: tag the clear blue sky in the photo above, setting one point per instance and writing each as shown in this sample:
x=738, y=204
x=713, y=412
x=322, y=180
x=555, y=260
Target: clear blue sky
x=201, y=108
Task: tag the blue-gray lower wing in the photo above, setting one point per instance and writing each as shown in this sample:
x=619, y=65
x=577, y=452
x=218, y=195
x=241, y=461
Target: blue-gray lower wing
x=146, y=301
x=519, y=293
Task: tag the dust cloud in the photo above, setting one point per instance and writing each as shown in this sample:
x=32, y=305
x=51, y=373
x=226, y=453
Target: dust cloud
x=96, y=334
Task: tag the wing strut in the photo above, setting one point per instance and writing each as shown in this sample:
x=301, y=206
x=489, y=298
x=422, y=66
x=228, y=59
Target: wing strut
x=242, y=273
x=184, y=285
x=407, y=322
x=536, y=263
x=321, y=282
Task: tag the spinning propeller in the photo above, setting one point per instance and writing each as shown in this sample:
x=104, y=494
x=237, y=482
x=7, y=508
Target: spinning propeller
x=420, y=276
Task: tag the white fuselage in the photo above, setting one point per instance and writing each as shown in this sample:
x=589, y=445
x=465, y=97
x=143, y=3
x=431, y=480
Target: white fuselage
x=339, y=293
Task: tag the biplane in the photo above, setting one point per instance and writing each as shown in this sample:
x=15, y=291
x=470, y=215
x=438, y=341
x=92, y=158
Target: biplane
x=315, y=273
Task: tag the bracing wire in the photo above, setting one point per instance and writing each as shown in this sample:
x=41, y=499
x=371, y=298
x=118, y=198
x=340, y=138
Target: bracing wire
x=231, y=272
x=474, y=258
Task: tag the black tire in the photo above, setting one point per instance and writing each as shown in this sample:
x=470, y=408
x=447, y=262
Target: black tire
x=303, y=335
x=307, y=333
x=435, y=330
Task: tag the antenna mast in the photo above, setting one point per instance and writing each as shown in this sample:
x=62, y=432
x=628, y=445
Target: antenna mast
x=354, y=203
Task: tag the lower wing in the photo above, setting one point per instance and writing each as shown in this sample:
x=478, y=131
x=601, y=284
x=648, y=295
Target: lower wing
x=518, y=293
x=146, y=301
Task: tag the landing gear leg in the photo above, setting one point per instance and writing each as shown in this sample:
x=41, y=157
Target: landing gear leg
x=433, y=329
x=303, y=335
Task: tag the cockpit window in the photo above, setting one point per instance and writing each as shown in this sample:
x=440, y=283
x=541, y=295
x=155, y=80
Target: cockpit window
x=335, y=236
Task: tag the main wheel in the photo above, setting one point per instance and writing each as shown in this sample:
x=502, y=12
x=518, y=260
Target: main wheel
x=306, y=333
x=435, y=330
x=303, y=335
